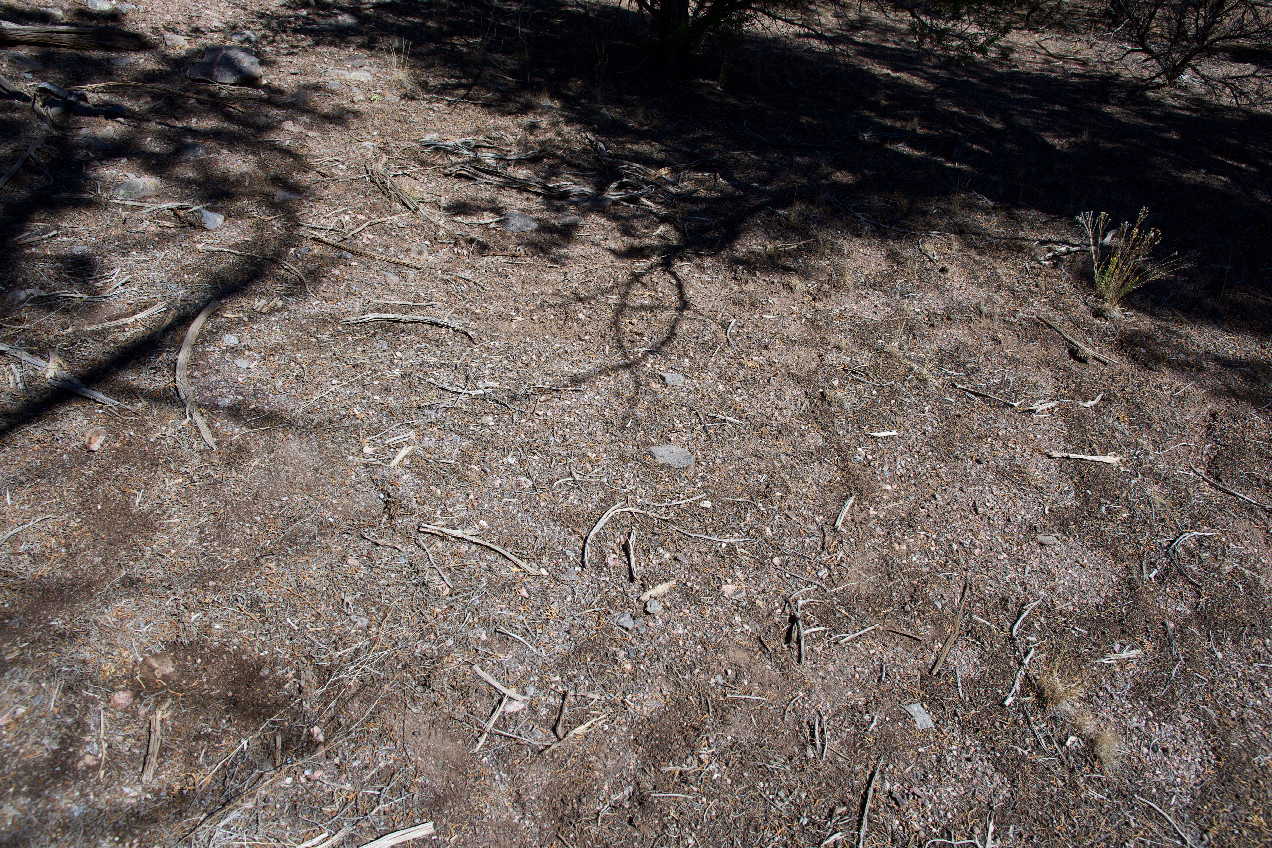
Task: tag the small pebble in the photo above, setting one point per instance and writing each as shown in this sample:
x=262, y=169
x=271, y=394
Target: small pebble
x=93, y=439
x=672, y=378
x=625, y=621
x=652, y=607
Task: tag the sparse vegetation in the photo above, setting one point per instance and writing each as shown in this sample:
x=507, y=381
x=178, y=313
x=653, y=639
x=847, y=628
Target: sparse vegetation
x=1175, y=36
x=1120, y=258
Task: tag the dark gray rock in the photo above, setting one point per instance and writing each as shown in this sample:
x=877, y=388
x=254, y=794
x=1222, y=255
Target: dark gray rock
x=227, y=66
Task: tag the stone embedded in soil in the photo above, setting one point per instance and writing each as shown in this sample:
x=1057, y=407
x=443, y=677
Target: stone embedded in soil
x=519, y=222
x=673, y=455
x=922, y=719
x=211, y=220
x=625, y=621
x=1047, y=540
x=227, y=66
x=137, y=188
x=672, y=378
x=652, y=607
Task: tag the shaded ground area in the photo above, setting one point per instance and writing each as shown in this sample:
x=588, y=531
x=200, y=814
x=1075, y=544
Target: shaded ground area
x=467, y=265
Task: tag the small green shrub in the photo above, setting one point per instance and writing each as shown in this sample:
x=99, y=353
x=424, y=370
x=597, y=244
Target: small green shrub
x=1120, y=260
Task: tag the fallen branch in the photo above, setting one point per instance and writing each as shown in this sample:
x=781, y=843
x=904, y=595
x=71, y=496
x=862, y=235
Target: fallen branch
x=843, y=513
x=119, y=322
x=578, y=731
x=368, y=254
x=619, y=509
x=30, y=151
x=152, y=744
x=22, y=527
x=397, y=837
x=503, y=690
x=987, y=395
x=865, y=807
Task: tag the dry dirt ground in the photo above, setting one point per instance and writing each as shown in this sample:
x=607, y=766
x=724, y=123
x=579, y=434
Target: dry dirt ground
x=432, y=570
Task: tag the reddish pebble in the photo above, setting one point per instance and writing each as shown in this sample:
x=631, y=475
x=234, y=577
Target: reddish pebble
x=94, y=438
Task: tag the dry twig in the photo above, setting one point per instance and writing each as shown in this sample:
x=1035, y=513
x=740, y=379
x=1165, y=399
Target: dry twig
x=1221, y=487
x=183, y=373
x=458, y=534
x=1082, y=348
x=954, y=631
x=1107, y=460
x=865, y=807
x=401, y=318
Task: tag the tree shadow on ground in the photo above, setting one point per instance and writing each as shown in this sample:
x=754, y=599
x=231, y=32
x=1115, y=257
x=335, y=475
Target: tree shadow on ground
x=855, y=128
x=206, y=147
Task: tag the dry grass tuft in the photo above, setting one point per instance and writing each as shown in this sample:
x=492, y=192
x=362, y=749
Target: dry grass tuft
x=1120, y=258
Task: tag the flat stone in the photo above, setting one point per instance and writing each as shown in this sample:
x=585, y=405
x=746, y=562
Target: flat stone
x=519, y=222
x=652, y=607
x=137, y=188
x=922, y=719
x=227, y=66
x=625, y=621
x=1047, y=540
x=211, y=220
x=359, y=76
x=672, y=378
x=175, y=42
x=300, y=97
x=673, y=455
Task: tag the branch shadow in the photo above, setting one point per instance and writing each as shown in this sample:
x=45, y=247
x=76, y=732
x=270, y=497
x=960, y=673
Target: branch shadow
x=854, y=129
